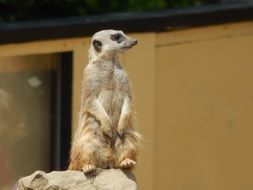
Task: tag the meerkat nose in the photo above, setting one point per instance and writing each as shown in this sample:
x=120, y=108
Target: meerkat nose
x=135, y=42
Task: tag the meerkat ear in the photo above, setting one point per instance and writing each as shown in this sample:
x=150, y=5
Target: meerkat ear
x=97, y=45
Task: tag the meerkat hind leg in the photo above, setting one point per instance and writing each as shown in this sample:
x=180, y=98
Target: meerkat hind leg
x=126, y=151
x=86, y=150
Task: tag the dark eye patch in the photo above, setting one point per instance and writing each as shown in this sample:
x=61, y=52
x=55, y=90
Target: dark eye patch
x=117, y=37
x=97, y=45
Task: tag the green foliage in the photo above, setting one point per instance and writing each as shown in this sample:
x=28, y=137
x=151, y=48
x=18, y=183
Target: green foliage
x=17, y=10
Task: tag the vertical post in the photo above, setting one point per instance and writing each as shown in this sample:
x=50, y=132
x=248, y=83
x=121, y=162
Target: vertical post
x=61, y=113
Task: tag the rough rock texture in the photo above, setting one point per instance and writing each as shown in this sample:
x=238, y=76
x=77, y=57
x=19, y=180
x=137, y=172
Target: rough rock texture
x=111, y=179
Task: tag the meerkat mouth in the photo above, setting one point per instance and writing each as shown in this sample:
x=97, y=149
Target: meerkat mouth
x=130, y=45
x=127, y=47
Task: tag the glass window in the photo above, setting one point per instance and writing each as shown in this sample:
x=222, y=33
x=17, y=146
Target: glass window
x=26, y=95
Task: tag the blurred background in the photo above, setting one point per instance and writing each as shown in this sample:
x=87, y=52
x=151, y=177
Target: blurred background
x=191, y=76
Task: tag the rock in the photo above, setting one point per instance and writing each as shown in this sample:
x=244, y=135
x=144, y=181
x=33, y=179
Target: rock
x=111, y=179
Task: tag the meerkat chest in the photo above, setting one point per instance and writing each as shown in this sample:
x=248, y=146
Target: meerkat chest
x=113, y=91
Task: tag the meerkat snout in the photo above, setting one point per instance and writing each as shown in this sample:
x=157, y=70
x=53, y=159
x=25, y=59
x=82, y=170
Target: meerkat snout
x=135, y=42
x=132, y=42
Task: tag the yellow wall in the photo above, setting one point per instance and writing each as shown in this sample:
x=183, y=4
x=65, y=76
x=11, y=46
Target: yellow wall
x=194, y=101
x=204, y=108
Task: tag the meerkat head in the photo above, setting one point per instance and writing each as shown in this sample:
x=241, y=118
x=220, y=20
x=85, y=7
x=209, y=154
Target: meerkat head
x=109, y=43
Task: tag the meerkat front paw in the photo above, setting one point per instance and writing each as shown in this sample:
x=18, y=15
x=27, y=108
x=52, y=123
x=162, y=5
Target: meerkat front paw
x=88, y=168
x=121, y=131
x=127, y=163
x=106, y=128
x=122, y=126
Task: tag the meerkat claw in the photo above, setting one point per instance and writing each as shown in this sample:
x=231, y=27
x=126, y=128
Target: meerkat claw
x=120, y=134
x=88, y=168
x=127, y=163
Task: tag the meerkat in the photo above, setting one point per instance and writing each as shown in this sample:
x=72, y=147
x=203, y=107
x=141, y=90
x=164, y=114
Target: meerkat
x=106, y=136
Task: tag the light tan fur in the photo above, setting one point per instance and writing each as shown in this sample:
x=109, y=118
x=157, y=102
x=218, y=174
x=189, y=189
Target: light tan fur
x=106, y=136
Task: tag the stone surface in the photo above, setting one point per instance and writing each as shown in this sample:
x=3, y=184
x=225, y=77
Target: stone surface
x=111, y=179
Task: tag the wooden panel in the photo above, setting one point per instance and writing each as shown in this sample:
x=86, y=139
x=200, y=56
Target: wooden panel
x=206, y=33
x=40, y=47
x=203, y=114
x=80, y=60
x=140, y=65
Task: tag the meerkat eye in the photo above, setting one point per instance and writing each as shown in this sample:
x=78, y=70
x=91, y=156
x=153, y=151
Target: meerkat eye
x=117, y=37
x=97, y=45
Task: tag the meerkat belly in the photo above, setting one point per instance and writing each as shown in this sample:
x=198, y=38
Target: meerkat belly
x=112, y=101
